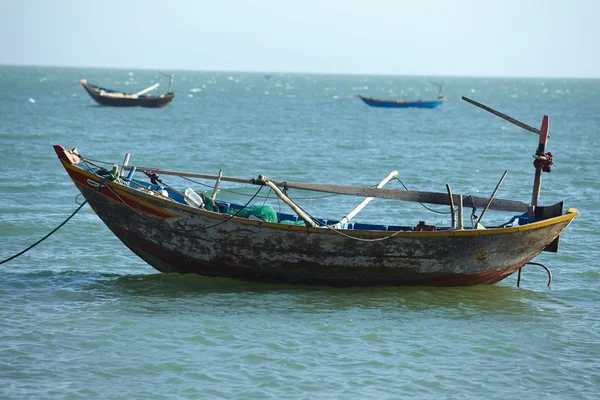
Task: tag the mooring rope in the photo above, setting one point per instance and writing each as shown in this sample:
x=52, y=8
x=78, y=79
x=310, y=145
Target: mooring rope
x=55, y=229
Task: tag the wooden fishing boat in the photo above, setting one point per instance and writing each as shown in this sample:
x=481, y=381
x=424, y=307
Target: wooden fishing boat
x=115, y=98
x=184, y=232
x=402, y=103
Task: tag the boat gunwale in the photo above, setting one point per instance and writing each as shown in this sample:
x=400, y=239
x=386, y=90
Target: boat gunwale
x=135, y=194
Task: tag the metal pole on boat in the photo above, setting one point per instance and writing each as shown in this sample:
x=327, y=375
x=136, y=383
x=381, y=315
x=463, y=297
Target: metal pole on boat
x=492, y=197
x=357, y=209
x=537, y=182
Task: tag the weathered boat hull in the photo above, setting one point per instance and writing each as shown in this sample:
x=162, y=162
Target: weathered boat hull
x=401, y=103
x=172, y=237
x=141, y=101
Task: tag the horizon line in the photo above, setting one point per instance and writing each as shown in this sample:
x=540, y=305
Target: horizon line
x=273, y=72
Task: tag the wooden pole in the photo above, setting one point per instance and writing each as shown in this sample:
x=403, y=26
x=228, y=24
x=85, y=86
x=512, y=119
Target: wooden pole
x=357, y=209
x=503, y=116
x=216, y=187
x=288, y=201
x=492, y=197
x=451, y=206
x=537, y=182
x=363, y=191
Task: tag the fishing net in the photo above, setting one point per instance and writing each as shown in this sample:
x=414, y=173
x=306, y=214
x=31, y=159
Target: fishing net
x=266, y=213
x=210, y=205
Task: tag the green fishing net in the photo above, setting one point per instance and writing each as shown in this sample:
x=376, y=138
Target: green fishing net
x=266, y=213
x=210, y=205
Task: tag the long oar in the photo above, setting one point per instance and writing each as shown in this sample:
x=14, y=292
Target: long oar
x=544, y=135
x=491, y=198
x=141, y=92
x=503, y=116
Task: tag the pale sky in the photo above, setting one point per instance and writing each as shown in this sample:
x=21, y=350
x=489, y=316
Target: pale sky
x=514, y=38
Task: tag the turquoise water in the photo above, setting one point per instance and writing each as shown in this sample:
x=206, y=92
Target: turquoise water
x=82, y=317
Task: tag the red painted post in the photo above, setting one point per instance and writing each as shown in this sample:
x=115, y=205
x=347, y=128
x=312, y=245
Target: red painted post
x=537, y=183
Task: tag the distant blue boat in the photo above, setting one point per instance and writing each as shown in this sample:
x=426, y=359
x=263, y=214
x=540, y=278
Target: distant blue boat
x=402, y=103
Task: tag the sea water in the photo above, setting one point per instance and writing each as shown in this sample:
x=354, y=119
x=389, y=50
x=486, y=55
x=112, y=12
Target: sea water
x=83, y=317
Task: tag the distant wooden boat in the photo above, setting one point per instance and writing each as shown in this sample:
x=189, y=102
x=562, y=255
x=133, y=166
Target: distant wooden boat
x=115, y=98
x=184, y=232
x=402, y=103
